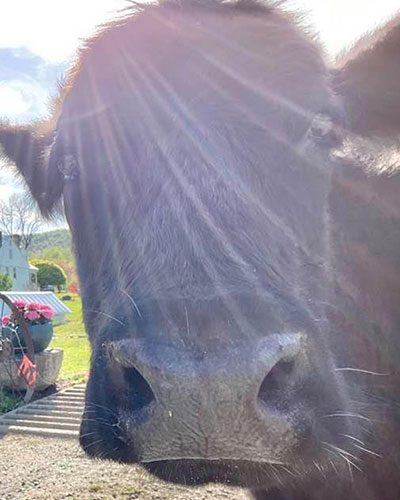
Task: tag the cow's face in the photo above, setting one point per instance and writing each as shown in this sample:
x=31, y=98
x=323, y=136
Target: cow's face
x=198, y=209
x=195, y=167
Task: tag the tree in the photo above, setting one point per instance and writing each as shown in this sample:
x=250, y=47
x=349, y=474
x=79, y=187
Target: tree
x=5, y=282
x=19, y=216
x=49, y=273
x=62, y=257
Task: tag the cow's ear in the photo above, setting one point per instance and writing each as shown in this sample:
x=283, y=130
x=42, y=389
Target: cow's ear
x=28, y=149
x=368, y=79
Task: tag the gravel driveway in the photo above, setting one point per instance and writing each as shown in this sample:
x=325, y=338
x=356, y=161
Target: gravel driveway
x=33, y=468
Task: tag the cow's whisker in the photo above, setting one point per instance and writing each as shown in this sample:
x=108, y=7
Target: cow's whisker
x=349, y=415
x=340, y=450
x=93, y=444
x=354, y=439
x=106, y=315
x=133, y=302
x=101, y=407
x=370, y=452
x=359, y=370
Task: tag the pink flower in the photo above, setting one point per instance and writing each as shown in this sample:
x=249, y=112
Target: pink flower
x=32, y=315
x=5, y=320
x=20, y=304
x=33, y=306
x=47, y=313
x=43, y=307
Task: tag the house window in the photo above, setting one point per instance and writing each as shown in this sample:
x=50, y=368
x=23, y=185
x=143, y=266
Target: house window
x=15, y=273
x=33, y=278
x=10, y=254
x=7, y=270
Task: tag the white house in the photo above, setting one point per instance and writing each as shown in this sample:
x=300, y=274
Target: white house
x=14, y=262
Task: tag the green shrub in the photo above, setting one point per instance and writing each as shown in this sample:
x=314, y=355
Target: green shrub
x=5, y=282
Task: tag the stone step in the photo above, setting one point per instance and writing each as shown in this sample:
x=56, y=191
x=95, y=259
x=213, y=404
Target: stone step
x=56, y=413
x=33, y=417
x=55, y=406
x=74, y=404
x=72, y=390
x=22, y=422
x=54, y=402
x=69, y=398
x=37, y=431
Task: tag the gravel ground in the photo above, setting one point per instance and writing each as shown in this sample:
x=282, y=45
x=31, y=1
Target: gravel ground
x=33, y=468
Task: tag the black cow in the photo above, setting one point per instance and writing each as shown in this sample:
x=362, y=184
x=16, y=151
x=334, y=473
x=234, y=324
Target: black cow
x=235, y=214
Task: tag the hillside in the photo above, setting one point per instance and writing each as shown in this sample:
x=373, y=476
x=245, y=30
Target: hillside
x=41, y=242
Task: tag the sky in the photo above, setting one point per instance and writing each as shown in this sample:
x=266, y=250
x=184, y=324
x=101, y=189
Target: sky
x=39, y=38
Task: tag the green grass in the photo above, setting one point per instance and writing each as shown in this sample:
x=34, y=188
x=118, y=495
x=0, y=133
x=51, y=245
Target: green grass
x=94, y=488
x=7, y=402
x=72, y=338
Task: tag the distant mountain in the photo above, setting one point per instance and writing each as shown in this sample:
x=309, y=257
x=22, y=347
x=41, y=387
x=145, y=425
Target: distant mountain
x=57, y=238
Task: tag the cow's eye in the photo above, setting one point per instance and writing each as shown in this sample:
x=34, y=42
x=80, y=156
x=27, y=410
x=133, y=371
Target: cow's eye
x=69, y=167
x=323, y=130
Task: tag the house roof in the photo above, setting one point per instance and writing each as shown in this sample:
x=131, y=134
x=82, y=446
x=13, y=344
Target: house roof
x=60, y=309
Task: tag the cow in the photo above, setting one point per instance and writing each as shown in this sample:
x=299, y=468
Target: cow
x=234, y=207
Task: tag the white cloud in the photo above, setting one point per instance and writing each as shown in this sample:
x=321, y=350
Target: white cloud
x=342, y=22
x=51, y=28
x=12, y=101
x=54, y=29
x=9, y=184
x=23, y=100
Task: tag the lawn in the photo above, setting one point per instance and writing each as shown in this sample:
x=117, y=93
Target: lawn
x=71, y=337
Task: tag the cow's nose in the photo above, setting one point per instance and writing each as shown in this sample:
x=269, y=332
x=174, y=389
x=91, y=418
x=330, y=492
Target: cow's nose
x=218, y=407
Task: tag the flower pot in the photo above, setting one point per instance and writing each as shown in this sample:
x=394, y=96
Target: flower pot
x=41, y=336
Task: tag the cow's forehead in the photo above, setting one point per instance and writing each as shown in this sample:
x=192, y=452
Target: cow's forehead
x=205, y=56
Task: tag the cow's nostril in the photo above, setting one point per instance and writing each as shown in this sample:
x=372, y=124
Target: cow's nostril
x=277, y=381
x=138, y=393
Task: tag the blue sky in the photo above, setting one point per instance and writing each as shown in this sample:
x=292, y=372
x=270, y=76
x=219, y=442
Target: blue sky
x=38, y=40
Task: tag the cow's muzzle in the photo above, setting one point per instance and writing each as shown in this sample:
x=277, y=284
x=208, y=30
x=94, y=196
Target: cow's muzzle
x=238, y=405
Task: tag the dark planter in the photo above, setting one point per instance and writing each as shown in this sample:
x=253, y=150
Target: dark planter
x=41, y=336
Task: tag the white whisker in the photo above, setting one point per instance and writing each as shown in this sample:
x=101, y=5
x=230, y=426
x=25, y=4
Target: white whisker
x=87, y=434
x=368, y=451
x=340, y=450
x=187, y=322
x=101, y=407
x=350, y=462
x=349, y=415
x=106, y=315
x=333, y=466
x=92, y=444
x=287, y=470
x=358, y=370
x=354, y=439
x=134, y=303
